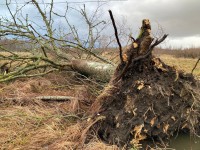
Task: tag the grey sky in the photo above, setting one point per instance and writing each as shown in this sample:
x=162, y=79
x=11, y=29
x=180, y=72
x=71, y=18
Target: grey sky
x=178, y=18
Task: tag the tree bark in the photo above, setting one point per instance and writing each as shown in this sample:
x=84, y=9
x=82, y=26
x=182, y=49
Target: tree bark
x=99, y=71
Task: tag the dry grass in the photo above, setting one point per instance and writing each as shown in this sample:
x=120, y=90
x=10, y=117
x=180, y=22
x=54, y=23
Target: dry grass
x=184, y=64
x=31, y=127
x=18, y=53
x=28, y=123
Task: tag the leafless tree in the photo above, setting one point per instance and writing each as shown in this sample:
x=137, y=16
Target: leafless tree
x=42, y=44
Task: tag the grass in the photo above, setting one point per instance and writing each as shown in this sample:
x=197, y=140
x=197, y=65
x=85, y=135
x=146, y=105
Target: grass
x=181, y=59
x=184, y=64
x=28, y=123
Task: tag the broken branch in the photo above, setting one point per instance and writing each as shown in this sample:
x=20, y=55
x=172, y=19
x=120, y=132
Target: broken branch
x=55, y=98
x=116, y=35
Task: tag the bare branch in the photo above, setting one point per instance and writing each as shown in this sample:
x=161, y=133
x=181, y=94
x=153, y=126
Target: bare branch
x=116, y=35
x=51, y=11
x=195, y=65
x=55, y=98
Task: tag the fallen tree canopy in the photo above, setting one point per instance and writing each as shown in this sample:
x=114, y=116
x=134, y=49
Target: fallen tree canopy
x=146, y=101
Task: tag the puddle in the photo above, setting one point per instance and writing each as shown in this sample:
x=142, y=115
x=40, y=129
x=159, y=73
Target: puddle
x=185, y=142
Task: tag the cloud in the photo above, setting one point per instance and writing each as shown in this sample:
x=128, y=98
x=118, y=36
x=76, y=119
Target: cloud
x=178, y=18
x=182, y=43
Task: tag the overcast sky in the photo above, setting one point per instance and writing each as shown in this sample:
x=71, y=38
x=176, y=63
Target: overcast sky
x=178, y=18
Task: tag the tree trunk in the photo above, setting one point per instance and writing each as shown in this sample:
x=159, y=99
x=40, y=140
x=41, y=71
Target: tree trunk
x=99, y=71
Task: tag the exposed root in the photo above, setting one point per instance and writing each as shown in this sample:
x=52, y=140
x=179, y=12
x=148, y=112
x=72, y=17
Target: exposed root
x=151, y=102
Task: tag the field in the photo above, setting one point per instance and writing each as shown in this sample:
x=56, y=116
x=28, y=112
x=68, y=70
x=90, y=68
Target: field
x=184, y=64
x=30, y=123
x=181, y=59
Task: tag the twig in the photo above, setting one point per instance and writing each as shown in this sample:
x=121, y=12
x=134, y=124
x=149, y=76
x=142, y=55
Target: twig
x=116, y=35
x=140, y=57
x=132, y=38
x=80, y=47
x=195, y=65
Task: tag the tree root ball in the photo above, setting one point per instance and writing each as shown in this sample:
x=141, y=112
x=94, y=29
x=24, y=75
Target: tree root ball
x=151, y=102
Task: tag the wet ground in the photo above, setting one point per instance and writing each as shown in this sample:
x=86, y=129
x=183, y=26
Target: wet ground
x=185, y=142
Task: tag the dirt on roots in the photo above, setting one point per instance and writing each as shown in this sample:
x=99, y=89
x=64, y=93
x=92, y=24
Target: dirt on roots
x=151, y=103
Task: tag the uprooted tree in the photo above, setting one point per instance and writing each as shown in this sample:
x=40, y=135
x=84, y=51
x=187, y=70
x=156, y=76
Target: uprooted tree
x=31, y=47
x=146, y=101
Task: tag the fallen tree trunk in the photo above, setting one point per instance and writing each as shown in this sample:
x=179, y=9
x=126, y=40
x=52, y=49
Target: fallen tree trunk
x=99, y=71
